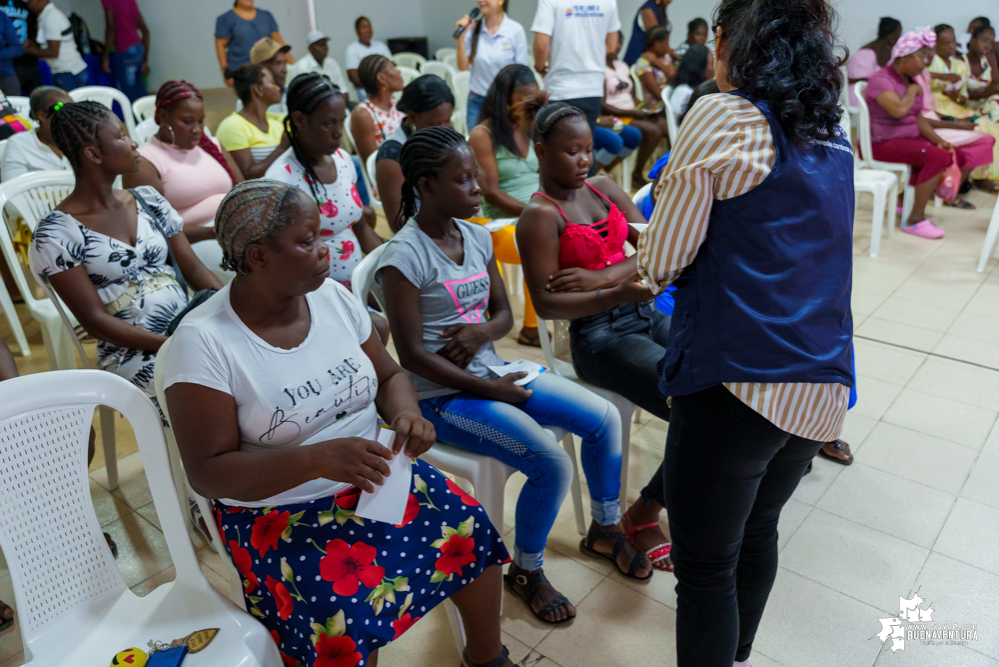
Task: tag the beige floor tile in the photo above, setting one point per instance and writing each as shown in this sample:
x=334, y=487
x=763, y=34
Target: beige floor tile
x=969, y=535
x=429, y=642
x=856, y=428
x=133, y=487
x=864, y=302
x=791, y=516
x=976, y=327
x=961, y=593
x=146, y=587
x=861, y=562
x=958, y=381
x=916, y=456
x=992, y=443
x=958, y=422
x=813, y=485
x=874, y=396
x=908, y=510
x=945, y=288
x=917, y=314
x=760, y=660
x=966, y=349
x=917, y=655
x=880, y=275
x=985, y=302
x=915, y=338
x=886, y=362
x=11, y=642
x=15, y=660
x=142, y=549
x=148, y=512
x=615, y=610
x=789, y=632
x=108, y=507
x=982, y=484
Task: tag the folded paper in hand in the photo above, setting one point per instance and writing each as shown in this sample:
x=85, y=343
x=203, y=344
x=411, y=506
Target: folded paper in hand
x=532, y=369
x=388, y=502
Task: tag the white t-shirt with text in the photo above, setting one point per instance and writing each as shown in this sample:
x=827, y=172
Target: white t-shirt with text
x=53, y=25
x=577, y=54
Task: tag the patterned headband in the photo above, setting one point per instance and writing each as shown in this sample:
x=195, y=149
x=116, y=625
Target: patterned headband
x=912, y=41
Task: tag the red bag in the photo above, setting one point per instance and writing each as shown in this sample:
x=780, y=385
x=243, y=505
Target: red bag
x=951, y=181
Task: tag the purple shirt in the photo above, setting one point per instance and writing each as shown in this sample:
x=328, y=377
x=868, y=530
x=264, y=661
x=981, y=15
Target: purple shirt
x=126, y=21
x=883, y=126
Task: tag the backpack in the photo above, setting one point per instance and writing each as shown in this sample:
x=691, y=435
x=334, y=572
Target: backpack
x=81, y=33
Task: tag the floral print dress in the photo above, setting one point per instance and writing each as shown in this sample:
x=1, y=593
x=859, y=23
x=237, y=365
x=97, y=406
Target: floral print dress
x=988, y=106
x=61, y=242
x=340, y=208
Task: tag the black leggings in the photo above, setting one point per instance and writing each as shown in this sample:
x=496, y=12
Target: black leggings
x=729, y=472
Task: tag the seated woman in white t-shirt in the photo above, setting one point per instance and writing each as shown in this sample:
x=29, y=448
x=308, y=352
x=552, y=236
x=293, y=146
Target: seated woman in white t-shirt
x=274, y=388
x=35, y=150
x=697, y=66
x=189, y=168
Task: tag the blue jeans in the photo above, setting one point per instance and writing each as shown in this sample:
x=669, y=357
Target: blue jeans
x=68, y=81
x=475, y=102
x=608, y=144
x=362, y=188
x=513, y=434
x=128, y=71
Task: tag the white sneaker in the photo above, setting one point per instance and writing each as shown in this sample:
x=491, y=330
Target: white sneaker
x=744, y=663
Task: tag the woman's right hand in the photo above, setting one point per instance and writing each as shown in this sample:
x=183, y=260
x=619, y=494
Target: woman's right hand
x=464, y=22
x=634, y=291
x=357, y=461
x=950, y=77
x=915, y=89
x=503, y=389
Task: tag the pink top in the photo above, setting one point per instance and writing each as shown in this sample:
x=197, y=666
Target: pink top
x=193, y=181
x=883, y=126
x=618, y=86
x=863, y=64
x=126, y=22
x=592, y=247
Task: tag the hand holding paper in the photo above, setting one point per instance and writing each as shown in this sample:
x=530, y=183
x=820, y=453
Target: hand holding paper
x=532, y=369
x=388, y=502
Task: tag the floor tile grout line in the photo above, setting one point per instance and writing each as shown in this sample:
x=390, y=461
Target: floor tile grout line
x=930, y=354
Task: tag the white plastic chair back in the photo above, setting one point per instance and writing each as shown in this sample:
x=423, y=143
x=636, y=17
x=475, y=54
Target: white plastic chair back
x=440, y=69
x=144, y=108
x=74, y=607
x=671, y=125
x=844, y=95
x=866, y=158
x=537, y=77
x=3, y=151
x=442, y=54
x=21, y=104
x=409, y=59
x=107, y=97
x=145, y=130
x=362, y=280
x=369, y=179
x=347, y=142
x=637, y=84
x=408, y=74
x=452, y=60
x=459, y=87
x=640, y=196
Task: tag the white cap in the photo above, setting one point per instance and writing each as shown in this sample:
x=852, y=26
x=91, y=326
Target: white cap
x=316, y=36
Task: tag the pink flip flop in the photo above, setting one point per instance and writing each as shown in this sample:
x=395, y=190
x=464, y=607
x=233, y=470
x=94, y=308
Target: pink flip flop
x=925, y=229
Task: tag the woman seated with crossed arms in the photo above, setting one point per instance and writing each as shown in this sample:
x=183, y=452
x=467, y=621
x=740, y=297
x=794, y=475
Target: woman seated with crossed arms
x=275, y=386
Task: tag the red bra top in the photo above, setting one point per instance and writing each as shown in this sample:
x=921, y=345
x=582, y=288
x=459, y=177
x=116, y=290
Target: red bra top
x=592, y=247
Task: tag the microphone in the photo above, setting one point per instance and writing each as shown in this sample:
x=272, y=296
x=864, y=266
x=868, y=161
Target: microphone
x=475, y=15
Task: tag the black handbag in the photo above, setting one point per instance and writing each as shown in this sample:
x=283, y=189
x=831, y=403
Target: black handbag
x=200, y=296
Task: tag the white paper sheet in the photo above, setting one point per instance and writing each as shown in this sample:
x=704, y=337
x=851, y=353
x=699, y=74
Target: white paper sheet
x=497, y=224
x=532, y=369
x=388, y=502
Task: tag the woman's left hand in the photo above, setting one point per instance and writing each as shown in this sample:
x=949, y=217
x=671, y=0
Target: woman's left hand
x=946, y=145
x=575, y=280
x=412, y=430
x=466, y=339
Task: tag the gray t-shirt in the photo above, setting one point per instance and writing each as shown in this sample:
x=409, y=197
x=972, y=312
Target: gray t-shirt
x=449, y=293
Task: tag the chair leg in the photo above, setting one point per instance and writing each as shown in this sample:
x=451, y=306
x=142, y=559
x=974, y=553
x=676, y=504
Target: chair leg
x=908, y=201
x=63, y=355
x=110, y=450
x=878, y=220
x=636, y=417
x=625, y=408
x=15, y=323
x=489, y=482
x=457, y=627
x=890, y=205
x=576, y=489
x=990, y=240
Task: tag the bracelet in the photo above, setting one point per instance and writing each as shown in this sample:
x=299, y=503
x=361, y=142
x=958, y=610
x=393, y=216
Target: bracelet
x=600, y=301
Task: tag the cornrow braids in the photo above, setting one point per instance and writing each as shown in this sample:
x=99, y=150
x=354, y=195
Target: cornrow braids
x=172, y=93
x=253, y=211
x=550, y=116
x=75, y=126
x=423, y=155
x=305, y=94
x=368, y=70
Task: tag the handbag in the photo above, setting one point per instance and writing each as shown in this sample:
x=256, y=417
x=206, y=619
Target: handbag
x=200, y=296
x=10, y=121
x=950, y=182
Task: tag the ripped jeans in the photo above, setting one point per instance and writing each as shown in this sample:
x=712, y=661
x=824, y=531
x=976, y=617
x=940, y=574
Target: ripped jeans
x=513, y=434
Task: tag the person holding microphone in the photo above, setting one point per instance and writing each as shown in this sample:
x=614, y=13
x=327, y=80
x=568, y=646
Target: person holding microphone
x=486, y=45
x=753, y=224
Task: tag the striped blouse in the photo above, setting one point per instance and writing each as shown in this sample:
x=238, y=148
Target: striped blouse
x=724, y=150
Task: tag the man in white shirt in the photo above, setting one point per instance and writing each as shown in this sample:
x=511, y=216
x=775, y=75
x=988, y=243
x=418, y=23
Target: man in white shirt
x=319, y=61
x=570, y=47
x=364, y=46
x=69, y=71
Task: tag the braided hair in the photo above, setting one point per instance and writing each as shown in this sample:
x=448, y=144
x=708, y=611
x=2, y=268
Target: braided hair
x=423, y=155
x=75, y=126
x=369, y=69
x=305, y=94
x=172, y=93
x=253, y=211
x=550, y=116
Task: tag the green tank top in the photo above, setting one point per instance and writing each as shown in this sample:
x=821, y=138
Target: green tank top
x=518, y=177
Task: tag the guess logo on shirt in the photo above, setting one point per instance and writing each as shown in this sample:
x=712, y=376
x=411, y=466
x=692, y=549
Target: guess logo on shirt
x=471, y=296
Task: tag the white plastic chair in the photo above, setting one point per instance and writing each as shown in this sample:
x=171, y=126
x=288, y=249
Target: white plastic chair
x=371, y=182
x=642, y=193
x=459, y=87
x=443, y=53
x=991, y=238
x=844, y=98
x=409, y=59
x=144, y=108
x=74, y=606
x=408, y=74
x=452, y=60
x=883, y=185
x=671, y=125
x=21, y=104
x=867, y=158
x=440, y=69
x=145, y=130
x=7, y=304
x=107, y=96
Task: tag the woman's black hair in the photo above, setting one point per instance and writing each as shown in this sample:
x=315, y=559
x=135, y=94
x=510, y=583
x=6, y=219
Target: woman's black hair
x=694, y=25
x=692, y=66
x=368, y=70
x=245, y=78
x=941, y=28
x=40, y=99
x=981, y=20
x=357, y=22
x=887, y=25
x=496, y=107
x=75, y=126
x=655, y=35
x=550, y=116
x=505, y=8
x=423, y=155
x=305, y=93
x=980, y=29
x=425, y=93
x=784, y=52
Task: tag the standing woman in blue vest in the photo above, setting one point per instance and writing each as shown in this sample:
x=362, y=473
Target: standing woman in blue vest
x=753, y=224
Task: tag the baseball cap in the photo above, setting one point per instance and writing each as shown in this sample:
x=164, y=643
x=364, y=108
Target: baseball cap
x=316, y=36
x=265, y=49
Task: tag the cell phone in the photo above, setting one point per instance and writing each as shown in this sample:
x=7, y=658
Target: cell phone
x=172, y=657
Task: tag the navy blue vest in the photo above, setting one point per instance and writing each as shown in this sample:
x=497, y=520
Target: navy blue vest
x=768, y=297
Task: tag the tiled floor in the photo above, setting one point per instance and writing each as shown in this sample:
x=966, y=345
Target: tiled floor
x=919, y=509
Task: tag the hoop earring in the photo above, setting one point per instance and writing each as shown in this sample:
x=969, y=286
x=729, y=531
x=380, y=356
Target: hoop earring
x=173, y=137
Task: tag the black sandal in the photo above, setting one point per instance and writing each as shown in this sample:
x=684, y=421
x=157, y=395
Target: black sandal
x=839, y=446
x=6, y=623
x=528, y=340
x=112, y=546
x=960, y=203
x=532, y=580
x=620, y=540
x=498, y=661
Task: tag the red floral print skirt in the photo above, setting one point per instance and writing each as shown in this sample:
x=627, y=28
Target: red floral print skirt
x=332, y=587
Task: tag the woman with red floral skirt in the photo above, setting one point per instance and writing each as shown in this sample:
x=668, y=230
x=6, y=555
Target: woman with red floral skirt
x=275, y=385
